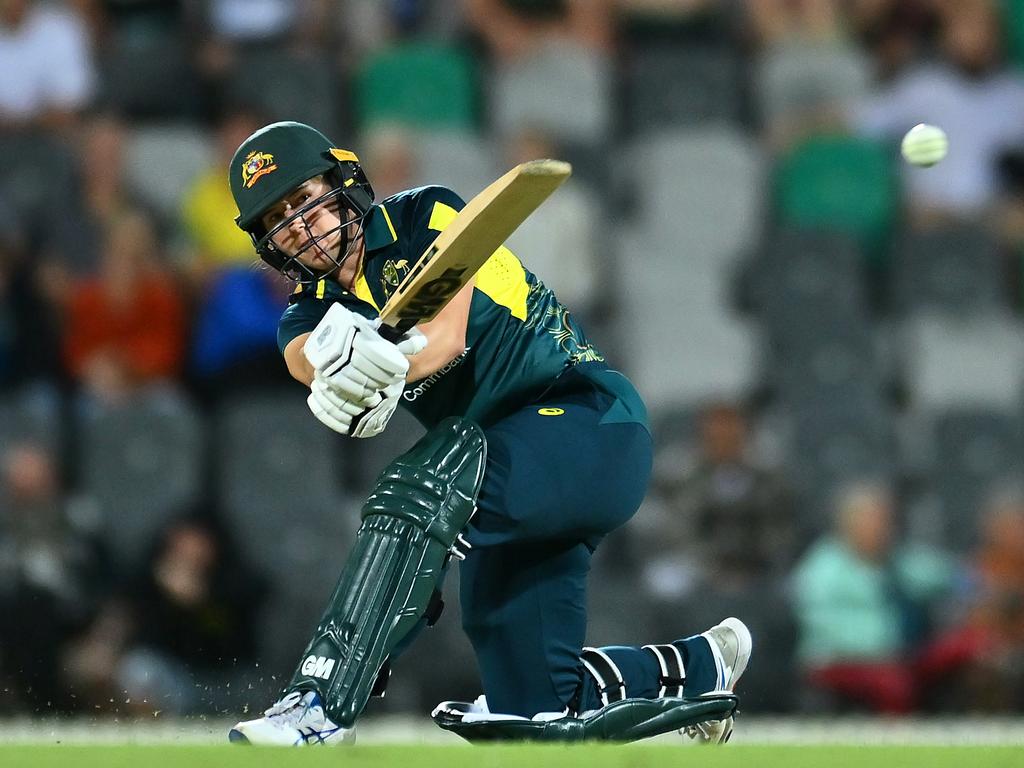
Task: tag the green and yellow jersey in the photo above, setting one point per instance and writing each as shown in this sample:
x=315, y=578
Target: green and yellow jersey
x=519, y=338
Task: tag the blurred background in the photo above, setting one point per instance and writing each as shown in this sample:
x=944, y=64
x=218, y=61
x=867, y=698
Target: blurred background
x=830, y=342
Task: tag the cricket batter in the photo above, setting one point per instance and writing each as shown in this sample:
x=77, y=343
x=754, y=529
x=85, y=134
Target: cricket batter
x=535, y=450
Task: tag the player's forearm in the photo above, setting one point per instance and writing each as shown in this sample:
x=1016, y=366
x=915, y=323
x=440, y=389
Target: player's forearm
x=446, y=336
x=440, y=351
x=298, y=366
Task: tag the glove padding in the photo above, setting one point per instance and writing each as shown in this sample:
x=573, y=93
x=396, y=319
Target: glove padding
x=356, y=361
x=355, y=419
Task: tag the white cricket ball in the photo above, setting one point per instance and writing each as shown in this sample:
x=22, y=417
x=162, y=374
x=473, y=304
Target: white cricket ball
x=924, y=145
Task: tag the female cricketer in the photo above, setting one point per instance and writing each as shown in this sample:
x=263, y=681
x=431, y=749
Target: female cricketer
x=535, y=450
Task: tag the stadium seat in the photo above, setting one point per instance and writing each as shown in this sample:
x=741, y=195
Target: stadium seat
x=836, y=364
x=287, y=86
x=951, y=362
x=684, y=184
x=35, y=164
x=841, y=183
x=818, y=270
x=685, y=345
x=674, y=86
x=278, y=479
x=837, y=437
x=461, y=161
x=563, y=90
x=975, y=450
x=33, y=416
x=418, y=85
x=800, y=80
x=142, y=462
x=149, y=78
x=180, y=152
x=954, y=269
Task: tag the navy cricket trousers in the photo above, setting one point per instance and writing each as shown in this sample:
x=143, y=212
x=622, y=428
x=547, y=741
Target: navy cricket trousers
x=560, y=475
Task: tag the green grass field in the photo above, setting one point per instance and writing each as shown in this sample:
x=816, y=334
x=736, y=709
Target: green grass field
x=510, y=757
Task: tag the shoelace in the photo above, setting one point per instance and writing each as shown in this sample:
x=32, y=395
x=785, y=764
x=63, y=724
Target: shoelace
x=287, y=709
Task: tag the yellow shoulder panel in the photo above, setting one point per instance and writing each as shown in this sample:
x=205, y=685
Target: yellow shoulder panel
x=501, y=278
x=441, y=216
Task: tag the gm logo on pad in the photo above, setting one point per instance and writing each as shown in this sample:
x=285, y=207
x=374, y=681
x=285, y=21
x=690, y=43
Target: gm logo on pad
x=318, y=666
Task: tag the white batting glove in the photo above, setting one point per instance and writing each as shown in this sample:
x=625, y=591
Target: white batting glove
x=330, y=408
x=375, y=419
x=354, y=359
x=348, y=418
x=412, y=342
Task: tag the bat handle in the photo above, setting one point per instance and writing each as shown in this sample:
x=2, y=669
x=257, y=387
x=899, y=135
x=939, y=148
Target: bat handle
x=394, y=333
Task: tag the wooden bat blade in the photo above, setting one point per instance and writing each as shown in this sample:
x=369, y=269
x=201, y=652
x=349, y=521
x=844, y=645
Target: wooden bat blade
x=468, y=241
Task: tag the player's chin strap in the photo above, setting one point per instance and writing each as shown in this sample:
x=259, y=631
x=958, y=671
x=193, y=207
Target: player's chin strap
x=621, y=721
x=411, y=525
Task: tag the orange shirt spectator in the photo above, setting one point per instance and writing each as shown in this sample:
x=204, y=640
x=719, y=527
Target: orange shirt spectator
x=126, y=326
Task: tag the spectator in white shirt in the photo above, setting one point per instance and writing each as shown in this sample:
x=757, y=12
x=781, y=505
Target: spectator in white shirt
x=46, y=67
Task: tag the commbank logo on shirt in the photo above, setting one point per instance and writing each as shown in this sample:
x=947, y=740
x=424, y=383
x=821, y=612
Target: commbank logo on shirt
x=411, y=394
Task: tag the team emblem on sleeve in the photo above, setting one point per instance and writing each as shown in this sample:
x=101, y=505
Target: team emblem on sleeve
x=257, y=164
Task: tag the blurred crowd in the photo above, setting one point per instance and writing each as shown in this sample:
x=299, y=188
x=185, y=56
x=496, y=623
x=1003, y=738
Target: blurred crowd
x=830, y=341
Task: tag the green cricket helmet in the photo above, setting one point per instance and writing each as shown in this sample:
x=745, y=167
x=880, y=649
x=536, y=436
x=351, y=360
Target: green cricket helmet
x=270, y=165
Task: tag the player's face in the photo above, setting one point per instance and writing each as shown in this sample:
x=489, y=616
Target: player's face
x=316, y=235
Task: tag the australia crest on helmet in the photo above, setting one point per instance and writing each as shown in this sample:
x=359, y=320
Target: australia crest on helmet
x=256, y=165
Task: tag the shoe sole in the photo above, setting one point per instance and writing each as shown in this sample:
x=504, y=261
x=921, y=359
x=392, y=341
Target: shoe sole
x=235, y=736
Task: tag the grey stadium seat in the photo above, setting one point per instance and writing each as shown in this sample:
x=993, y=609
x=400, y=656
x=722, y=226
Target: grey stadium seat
x=563, y=90
x=142, y=462
x=31, y=416
x=975, y=449
x=953, y=361
x=150, y=148
x=679, y=86
x=686, y=184
x=797, y=80
x=838, y=439
x=816, y=270
x=149, y=78
x=287, y=86
x=954, y=269
x=277, y=479
x=807, y=288
x=464, y=163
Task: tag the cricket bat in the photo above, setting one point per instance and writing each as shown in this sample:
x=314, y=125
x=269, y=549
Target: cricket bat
x=468, y=241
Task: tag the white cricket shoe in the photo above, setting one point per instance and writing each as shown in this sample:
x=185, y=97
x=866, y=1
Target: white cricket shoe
x=297, y=720
x=731, y=645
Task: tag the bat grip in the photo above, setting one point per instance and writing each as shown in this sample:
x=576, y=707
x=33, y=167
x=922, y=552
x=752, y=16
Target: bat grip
x=394, y=333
